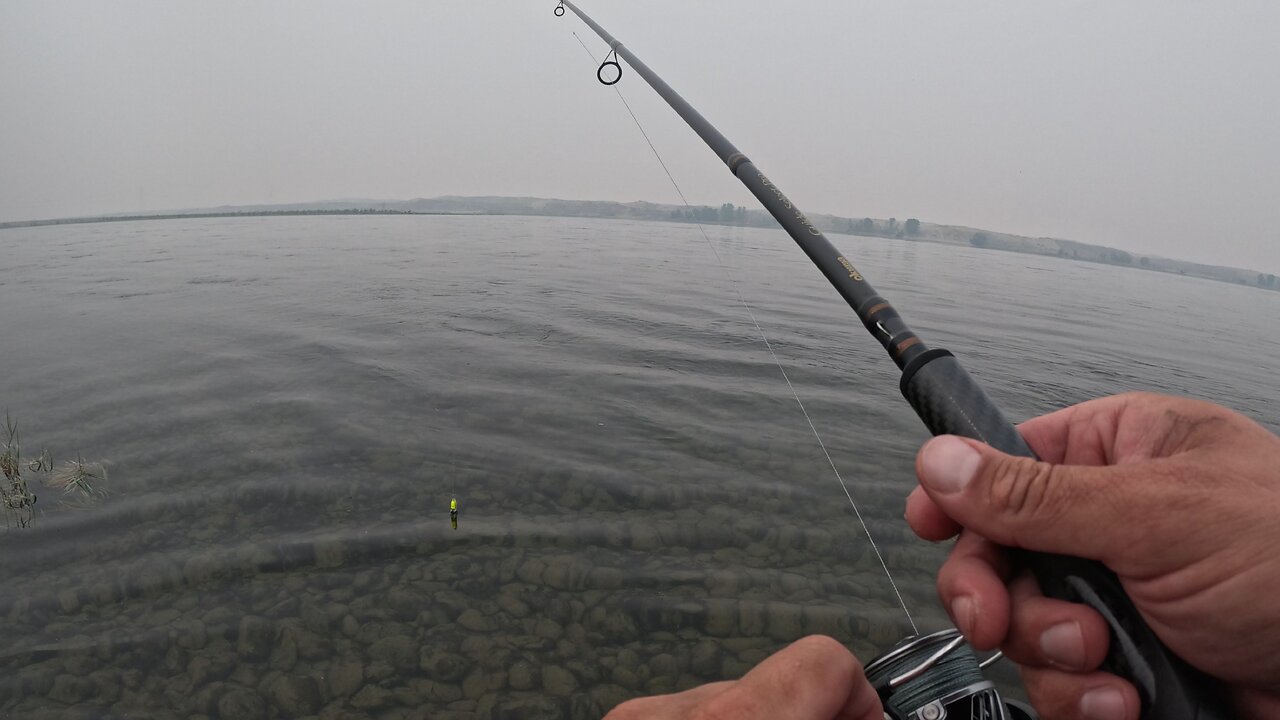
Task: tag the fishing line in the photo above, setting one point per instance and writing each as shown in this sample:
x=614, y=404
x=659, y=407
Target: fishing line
x=750, y=313
x=951, y=402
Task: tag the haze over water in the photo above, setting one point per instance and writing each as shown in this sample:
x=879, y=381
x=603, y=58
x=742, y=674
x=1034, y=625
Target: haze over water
x=287, y=405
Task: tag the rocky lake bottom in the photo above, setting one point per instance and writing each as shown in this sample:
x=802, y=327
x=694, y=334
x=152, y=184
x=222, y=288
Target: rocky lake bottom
x=286, y=407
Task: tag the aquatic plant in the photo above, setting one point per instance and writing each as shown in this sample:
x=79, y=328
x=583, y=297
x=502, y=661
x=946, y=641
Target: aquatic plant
x=79, y=481
x=19, y=501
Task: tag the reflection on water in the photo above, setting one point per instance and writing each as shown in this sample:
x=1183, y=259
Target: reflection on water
x=287, y=406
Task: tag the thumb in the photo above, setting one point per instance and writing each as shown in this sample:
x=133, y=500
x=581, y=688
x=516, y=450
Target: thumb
x=1079, y=510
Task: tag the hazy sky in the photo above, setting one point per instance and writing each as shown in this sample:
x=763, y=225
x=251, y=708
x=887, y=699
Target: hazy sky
x=1150, y=125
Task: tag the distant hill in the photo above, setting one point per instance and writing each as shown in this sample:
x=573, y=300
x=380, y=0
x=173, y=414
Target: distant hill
x=726, y=214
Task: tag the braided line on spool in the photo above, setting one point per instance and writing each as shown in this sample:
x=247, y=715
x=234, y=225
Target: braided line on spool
x=952, y=675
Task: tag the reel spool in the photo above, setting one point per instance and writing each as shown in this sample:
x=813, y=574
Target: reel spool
x=936, y=677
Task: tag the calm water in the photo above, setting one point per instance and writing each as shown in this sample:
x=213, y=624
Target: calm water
x=287, y=405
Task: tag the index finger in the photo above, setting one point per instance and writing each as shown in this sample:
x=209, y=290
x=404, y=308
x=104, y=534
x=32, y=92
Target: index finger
x=1082, y=434
x=667, y=707
x=815, y=678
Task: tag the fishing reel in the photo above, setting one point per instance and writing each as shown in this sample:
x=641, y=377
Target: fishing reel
x=937, y=676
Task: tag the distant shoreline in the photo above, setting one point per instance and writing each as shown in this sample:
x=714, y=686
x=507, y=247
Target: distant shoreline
x=727, y=214
x=197, y=214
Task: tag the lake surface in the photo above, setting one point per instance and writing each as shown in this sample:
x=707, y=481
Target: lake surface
x=286, y=406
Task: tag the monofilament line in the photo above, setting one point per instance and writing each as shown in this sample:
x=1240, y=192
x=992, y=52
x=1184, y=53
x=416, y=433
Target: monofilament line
x=728, y=271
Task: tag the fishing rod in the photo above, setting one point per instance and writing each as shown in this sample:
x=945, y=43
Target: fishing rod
x=930, y=677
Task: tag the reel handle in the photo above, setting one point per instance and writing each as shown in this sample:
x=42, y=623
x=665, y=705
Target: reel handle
x=950, y=402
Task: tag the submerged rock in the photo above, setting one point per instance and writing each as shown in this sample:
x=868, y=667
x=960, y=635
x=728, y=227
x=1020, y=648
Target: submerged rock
x=204, y=669
x=607, y=697
x=350, y=626
x=605, y=578
x=522, y=676
x=371, y=697
x=475, y=621
x=751, y=618
x=330, y=553
x=310, y=646
x=547, y=628
x=784, y=621
x=475, y=685
x=256, y=638
x=664, y=665
x=294, y=695
x=558, y=681
x=69, y=689
x=440, y=692
x=69, y=600
x=721, y=618
x=512, y=605
x=705, y=659
x=190, y=634
x=346, y=674
x=529, y=708
x=242, y=704
x=285, y=655
x=398, y=652
x=531, y=571
x=442, y=666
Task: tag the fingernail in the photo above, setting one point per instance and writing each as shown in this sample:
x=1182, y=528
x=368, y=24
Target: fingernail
x=1102, y=703
x=947, y=464
x=962, y=613
x=1063, y=645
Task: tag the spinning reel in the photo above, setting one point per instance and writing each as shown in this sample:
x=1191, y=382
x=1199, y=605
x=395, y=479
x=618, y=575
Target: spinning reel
x=937, y=676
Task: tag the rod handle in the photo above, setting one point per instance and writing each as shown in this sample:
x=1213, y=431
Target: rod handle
x=950, y=402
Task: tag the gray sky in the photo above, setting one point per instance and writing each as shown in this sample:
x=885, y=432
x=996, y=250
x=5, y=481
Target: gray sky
x=1150, y=125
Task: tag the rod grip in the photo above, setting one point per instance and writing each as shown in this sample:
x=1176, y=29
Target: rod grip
x=950, y=402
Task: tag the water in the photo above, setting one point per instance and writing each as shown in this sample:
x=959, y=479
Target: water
x=287, y=405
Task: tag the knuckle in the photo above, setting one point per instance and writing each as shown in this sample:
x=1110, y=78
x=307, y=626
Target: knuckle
x=948, y=576
x=629, y=710
x=728, y=705
x=1020, y=488
x=1047, y=693
x=1142, y=396
x=830, y=656
x=821, y=645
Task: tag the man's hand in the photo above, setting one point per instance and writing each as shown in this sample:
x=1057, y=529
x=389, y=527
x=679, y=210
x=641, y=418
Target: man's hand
x=812, y=679
x=1180, y=498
